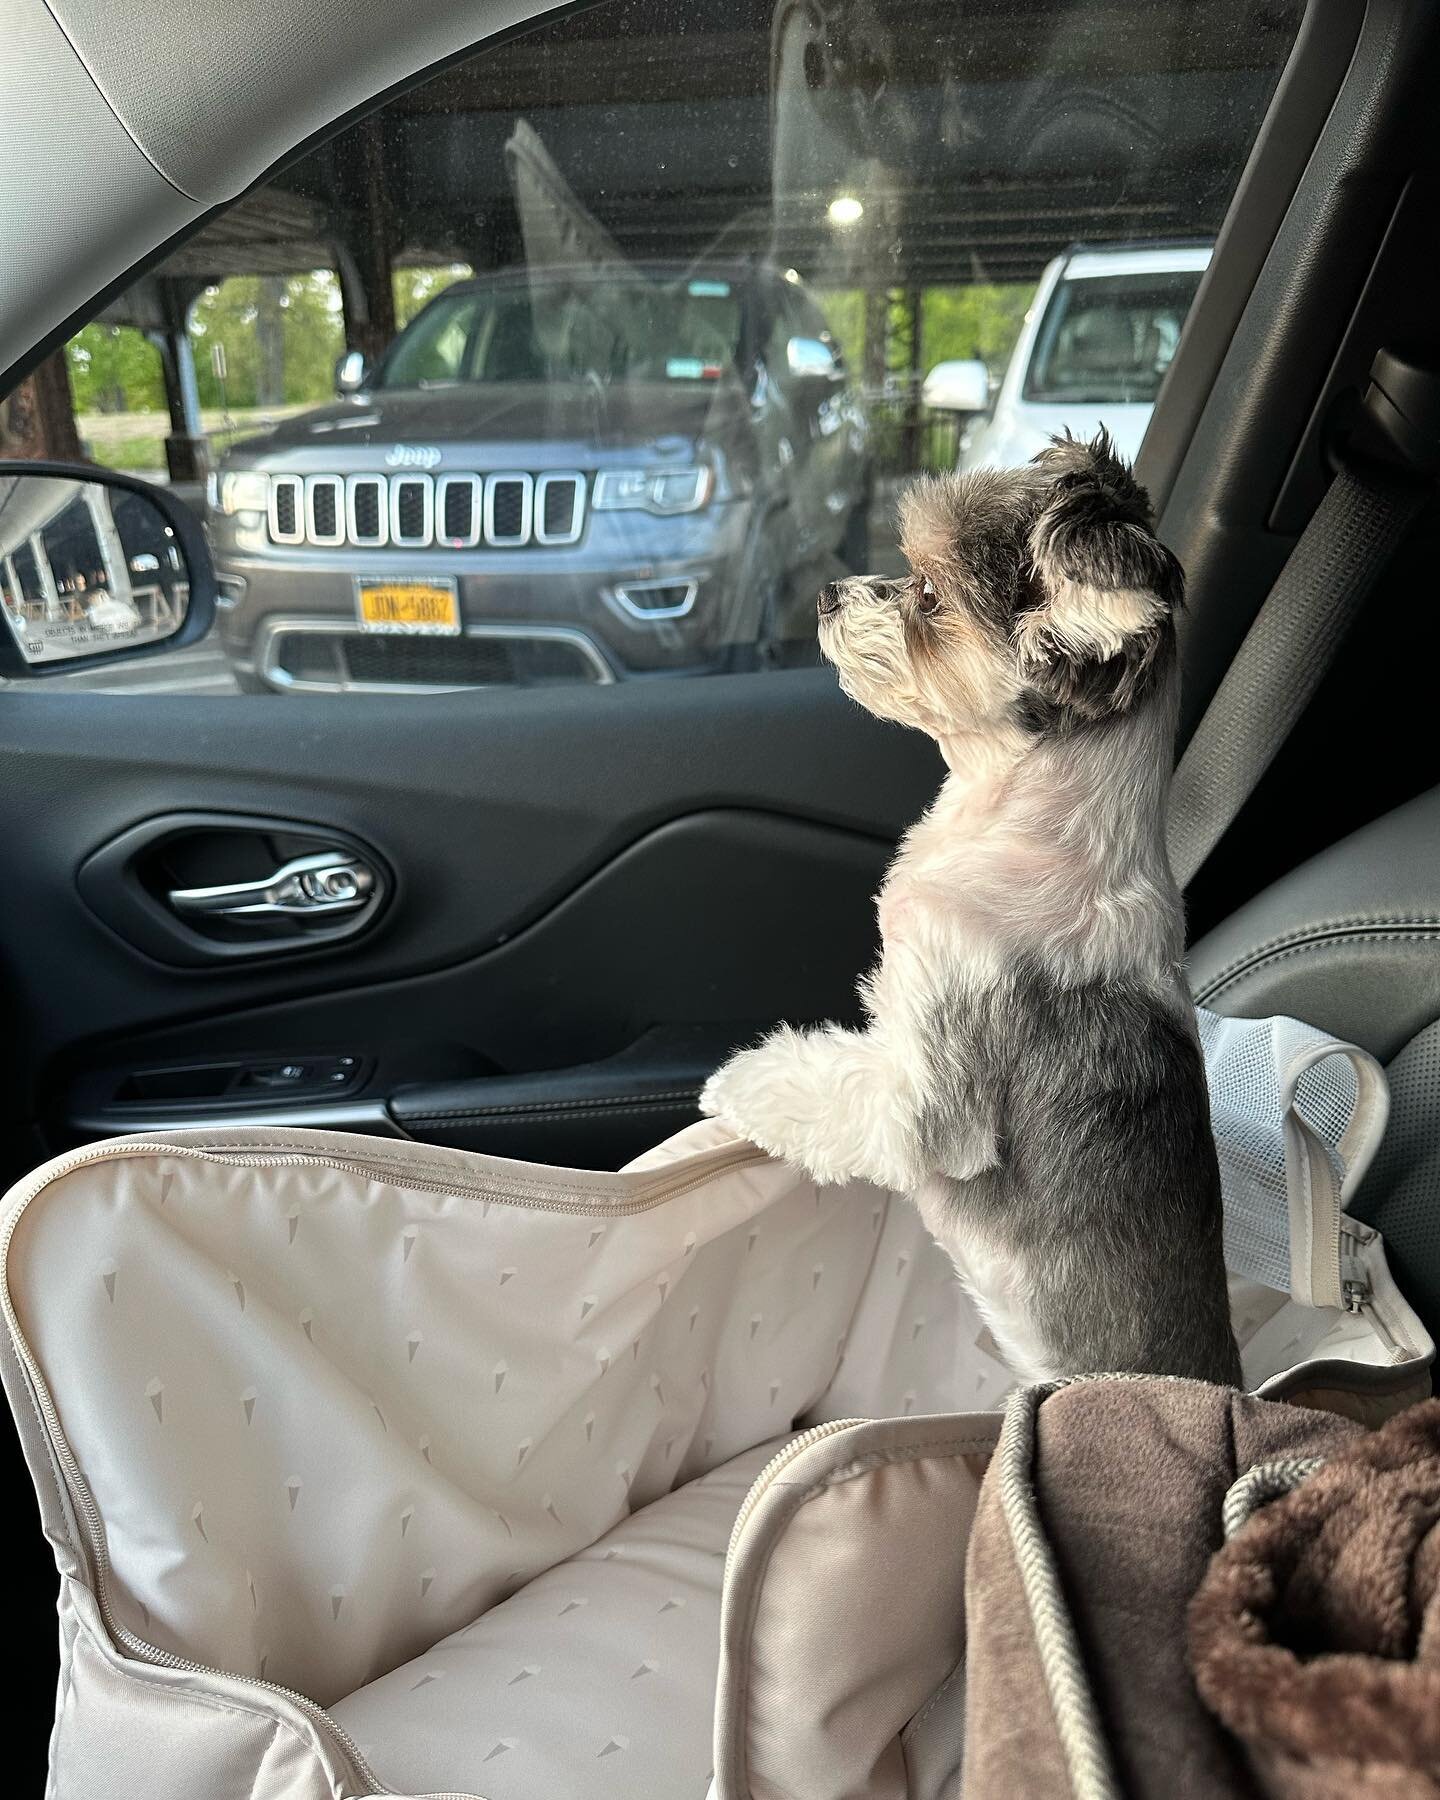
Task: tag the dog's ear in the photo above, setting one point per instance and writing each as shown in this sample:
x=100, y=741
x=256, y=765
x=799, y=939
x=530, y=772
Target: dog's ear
x=1095, y=613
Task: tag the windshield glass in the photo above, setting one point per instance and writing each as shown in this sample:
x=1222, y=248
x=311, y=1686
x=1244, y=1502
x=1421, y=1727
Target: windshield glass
x=1110, y=337
x=621, y=330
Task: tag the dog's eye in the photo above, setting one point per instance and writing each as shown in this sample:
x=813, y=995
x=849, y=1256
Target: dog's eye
x=929, y=600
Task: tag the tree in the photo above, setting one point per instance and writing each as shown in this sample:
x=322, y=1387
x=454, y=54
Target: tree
x=114, y=369
x=37, y=416
x=983, y=320
x=281, y=336
x=415, y=288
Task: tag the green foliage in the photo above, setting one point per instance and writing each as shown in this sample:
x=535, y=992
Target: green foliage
x=845, y=315
x=281, y=335
x=981, y=321
x=144, y=453
x=114, y=368
x=415, y=288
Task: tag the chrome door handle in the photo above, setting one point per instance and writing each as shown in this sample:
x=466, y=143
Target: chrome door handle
x=331, y=881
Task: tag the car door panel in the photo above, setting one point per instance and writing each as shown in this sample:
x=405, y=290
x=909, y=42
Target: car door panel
x=526, y=844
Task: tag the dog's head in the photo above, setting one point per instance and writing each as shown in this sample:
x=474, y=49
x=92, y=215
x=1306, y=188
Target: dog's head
x=1037, y=598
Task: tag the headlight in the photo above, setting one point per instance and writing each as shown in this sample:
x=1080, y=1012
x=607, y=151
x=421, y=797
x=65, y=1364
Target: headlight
x=653, y=490
x=244, y=490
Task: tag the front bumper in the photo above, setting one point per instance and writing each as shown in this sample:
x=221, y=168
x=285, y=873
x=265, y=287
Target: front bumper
x=638, y=595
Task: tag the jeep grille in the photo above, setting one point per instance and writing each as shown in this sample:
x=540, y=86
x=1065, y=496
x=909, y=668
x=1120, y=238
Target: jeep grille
x=413, y=510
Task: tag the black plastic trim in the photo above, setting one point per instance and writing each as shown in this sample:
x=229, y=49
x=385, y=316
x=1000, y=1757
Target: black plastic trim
x=1304, y=97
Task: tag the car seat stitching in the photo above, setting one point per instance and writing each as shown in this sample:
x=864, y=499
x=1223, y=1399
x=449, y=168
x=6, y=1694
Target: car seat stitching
x=1280, y=949
x=613, y=1112
x=908, y=1731
x=672, y=1098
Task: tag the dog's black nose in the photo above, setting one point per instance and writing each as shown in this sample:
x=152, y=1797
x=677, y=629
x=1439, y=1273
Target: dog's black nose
x=829, y=600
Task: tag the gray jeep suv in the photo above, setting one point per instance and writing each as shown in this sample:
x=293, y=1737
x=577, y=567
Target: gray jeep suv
x=559, y=474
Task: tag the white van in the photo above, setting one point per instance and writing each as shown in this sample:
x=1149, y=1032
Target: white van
x=1096, y=343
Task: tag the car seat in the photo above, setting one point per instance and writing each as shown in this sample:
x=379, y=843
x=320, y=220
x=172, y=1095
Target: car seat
x=1351, y=942
x=375, y=1467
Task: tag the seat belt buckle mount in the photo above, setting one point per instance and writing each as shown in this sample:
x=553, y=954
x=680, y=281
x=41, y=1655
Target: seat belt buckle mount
x=1397, y=423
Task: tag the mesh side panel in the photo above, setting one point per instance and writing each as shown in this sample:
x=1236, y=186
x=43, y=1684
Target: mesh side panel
x=1244, y=1063
x=1326, y=1097
x=1401, y=1193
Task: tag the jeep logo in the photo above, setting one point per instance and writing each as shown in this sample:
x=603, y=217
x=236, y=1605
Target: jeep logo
x=412, y=456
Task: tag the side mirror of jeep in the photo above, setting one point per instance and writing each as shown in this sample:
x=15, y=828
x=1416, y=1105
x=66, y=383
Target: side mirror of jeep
x=95, y=565
x=352, y=373
x=812, y=361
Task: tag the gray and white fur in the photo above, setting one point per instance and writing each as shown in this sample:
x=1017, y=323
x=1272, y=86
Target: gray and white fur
x=1030, y=1072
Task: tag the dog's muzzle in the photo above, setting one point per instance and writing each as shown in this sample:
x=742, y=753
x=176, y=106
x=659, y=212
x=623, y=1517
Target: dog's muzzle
x=828, y=602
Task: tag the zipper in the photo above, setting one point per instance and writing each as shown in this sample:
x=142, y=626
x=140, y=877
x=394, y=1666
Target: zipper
x=369, y=1168
x=781, y=1460
x=1357, y=1296
x=1354, y=1296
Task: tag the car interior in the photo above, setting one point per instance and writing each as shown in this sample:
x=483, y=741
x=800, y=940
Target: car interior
x=575, y=900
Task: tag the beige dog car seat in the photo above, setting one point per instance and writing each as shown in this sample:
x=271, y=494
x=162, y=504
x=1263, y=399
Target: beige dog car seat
x=378, y=1468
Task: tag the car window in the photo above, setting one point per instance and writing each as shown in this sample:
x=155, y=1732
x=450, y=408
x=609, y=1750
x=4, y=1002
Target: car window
x=593, y=357
x=1110, y=338
x=574, y=327
x=438, y=346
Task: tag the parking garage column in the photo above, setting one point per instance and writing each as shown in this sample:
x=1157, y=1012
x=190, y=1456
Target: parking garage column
x=37, y=418
x=187, y=449
x=365, y=249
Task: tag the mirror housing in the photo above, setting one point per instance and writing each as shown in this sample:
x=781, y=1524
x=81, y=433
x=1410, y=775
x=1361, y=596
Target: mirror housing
x=813, y=360
x=958, y=387
x=352, y=373
x=95, y=567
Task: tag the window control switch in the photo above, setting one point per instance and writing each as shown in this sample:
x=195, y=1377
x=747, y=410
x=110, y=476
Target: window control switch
x=311, y=1075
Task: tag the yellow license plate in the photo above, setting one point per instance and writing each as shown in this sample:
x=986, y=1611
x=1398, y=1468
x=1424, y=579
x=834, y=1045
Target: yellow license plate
x=426, y=607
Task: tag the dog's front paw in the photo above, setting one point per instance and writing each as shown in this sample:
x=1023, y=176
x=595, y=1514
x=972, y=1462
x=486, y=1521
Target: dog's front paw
x=732, y=1091
x=747, y=1093
x=772, y=1096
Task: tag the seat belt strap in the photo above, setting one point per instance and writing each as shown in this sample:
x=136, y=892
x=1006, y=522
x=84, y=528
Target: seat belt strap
x=1297, y=633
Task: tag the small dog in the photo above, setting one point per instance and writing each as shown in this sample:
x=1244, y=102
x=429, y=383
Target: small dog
x=1030, y=1073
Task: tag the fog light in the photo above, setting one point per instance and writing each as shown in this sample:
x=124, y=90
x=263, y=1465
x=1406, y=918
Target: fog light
x=658, y=599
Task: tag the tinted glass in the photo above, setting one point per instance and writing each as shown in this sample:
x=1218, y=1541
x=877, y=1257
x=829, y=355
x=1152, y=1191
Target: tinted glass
x=651, y=326
x=1110, y=338
x=639, y=309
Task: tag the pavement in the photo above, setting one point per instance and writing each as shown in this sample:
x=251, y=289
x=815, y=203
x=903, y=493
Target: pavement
x=197, y=669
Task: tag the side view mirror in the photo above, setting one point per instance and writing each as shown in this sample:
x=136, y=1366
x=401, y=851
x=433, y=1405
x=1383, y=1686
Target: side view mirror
x=959, y=387
x=352, y=373
x=93, y=566
x=812, y=359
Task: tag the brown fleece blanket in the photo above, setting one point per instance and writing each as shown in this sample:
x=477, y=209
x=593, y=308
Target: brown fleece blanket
x=1123, y=1481
x=1315, y=1634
